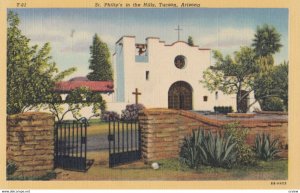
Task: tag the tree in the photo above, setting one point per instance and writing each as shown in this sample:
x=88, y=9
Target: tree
x=232, y=76
x=100, y=63
x=251, y=70
x=190, y=41
x=76, y=100
x=31, y=73
x=31, y=77
x=266, y=41
x=19, y=55
x=246, y=72
x=281, y=81
x=271, y=85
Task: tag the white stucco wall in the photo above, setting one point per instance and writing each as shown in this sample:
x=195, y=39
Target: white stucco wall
x=87, y=112
x=163, y=73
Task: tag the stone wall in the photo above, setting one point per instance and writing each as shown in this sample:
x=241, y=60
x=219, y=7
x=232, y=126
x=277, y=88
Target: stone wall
x=30, y=143
x=164, y=129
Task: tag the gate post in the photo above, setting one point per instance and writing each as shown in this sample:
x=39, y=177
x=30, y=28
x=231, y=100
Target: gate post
x=30, y=143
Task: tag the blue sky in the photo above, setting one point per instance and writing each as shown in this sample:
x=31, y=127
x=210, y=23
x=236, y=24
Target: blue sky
x=222, y=29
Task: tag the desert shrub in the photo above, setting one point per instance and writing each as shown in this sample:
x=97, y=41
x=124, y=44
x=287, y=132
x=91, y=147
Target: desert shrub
x=190, y=151
x=11, y=167
x=272, y=104
x=218, y=150
x=245, y=154
x=208, y=149
x=131, y=112
x=110, y=115
x=265, y=148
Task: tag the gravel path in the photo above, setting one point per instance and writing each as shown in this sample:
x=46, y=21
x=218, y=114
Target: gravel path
x=100, y=142
x=97, y=142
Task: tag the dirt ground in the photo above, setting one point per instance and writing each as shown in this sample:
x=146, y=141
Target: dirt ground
x=139, y=171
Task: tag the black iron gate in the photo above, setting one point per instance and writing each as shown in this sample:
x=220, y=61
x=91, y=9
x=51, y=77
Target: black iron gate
x=124, y=142
x=71, y=145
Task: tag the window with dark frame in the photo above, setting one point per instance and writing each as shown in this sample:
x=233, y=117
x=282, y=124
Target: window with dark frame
x=205, y=98
x=216, y=95
x=180, y=61
x=147, y=75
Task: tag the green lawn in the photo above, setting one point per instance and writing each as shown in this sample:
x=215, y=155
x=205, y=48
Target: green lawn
x=97, y=127
x=172, y=169
x=95, y=121
x=276, y=169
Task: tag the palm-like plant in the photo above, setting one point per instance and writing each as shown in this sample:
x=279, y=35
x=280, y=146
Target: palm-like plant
x=266, y=41
x=265, y=148
x=190, y=152
x=208, y=149
x=218, y=150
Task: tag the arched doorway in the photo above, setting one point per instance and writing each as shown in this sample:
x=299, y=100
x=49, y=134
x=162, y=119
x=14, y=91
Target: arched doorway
x=180, y=96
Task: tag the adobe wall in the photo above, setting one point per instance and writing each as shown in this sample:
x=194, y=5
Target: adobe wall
x=164, y=129
x=30, y=143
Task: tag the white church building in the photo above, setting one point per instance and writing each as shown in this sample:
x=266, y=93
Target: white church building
x=156, y=75
x=165, y=76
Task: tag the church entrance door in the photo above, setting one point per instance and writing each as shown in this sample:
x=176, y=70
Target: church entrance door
x=180, y=96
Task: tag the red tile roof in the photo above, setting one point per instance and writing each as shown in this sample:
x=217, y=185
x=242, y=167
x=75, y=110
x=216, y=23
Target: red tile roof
x=95, y=86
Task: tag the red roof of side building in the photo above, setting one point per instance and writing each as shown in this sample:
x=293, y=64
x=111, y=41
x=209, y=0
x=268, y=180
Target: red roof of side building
x=94, y=86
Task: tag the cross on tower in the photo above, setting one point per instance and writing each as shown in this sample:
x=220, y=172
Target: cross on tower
x=178, y=29
x=136, y=93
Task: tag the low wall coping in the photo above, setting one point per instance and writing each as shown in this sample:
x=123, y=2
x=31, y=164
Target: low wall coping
x=30, y=116
x=208, y=120
x=271, y=112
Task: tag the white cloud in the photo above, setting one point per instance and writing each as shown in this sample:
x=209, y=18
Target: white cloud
x=43, y=34
x=109, y=39
x=228, y=38
x=66, y=41
x=78, y=42
x=81, y=42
